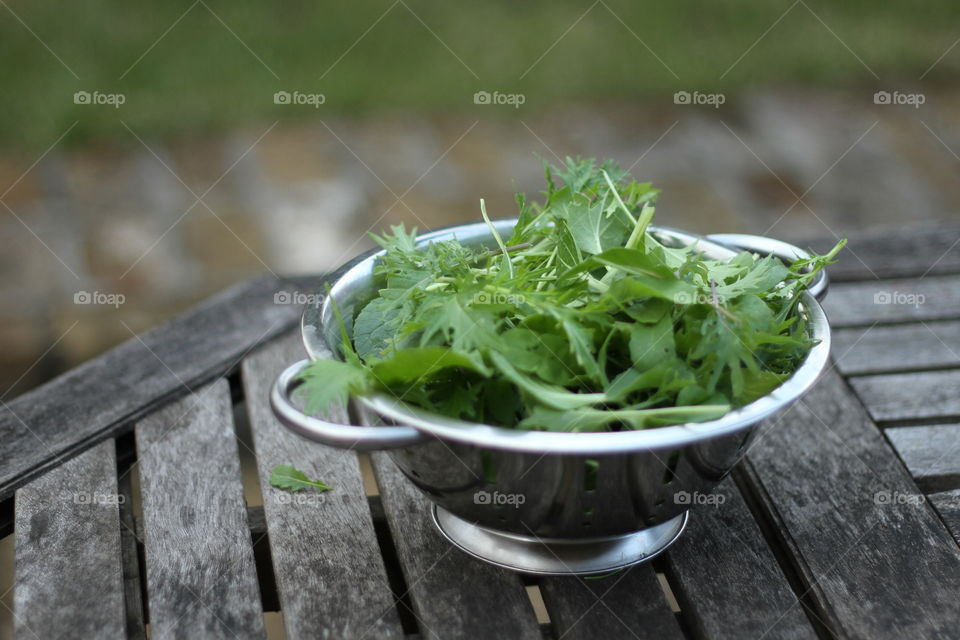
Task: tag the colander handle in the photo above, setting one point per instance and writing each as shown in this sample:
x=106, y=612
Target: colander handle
x=768, y=246
x=342, y=436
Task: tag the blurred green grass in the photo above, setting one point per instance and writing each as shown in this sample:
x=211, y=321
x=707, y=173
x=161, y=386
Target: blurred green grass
x=200, y=71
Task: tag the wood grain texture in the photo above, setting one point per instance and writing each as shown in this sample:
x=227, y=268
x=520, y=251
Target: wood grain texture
x=863, y=304
x=892, y=252
x=69, y=577
x=105, y=396
x=891, y=349
x=925, y=396
x=931, y=453
x=329, y=572
x=628, y=604
x=201, y=580
x=876, y=558
x=721, y=565
x=454, y=595
x=947, y=504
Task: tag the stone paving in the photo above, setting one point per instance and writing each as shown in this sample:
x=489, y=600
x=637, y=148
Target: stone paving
x=165, y=223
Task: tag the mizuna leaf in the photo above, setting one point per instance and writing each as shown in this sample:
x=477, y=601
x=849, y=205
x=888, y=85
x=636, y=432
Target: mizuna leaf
x=288, y=478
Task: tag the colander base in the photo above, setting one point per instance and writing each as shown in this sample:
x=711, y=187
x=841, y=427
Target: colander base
x=557, y=556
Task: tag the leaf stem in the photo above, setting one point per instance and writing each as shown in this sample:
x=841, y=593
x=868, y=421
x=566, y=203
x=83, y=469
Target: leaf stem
x=496, y=236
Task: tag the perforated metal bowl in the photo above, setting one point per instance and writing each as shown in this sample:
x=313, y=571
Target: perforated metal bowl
x=543, y=501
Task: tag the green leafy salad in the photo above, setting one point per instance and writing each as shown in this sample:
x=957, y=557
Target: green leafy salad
x=580, y=319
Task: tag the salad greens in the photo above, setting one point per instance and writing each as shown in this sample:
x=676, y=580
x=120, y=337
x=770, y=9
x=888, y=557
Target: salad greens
x=581, y=319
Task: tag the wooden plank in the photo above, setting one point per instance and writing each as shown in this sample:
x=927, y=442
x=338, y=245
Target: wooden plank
x=931, y=453
x=892, y=252
x=947, y=504
x=722, y=564
x=628, y=604
x=863, y=304
x=454, y=595
x=910, y=396
x=330, y=575
x=876, y=559
x=889, y=349
x=69, y=577
x=199, y=557
x=106, y=395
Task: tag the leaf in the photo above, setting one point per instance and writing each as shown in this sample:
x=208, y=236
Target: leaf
x=596, y=419
x=375, y=327
x=592, y=228
x=326, y=383
x=550, y=395
x=416, y=365
x=288, y=478
x=637, y=287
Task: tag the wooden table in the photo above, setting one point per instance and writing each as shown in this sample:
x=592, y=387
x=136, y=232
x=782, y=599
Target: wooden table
x=132, y=506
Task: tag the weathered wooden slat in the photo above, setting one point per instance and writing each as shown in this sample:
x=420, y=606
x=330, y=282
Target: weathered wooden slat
x=454, y=595
x=106, y=395
x=931, y=453
x=69, y=577
x=629, y=604
x=877, y=560
x=889, y=349
x=886, y=301
x=911, y=396
x=947, y=504
x=201, y=579
x=896, y=252
x=329, y=571
x=722, y=564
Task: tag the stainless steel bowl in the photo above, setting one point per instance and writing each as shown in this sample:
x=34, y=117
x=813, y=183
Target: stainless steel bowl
x=549, y=502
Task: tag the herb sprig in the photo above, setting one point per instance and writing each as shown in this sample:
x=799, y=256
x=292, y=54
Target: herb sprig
x=582, y=320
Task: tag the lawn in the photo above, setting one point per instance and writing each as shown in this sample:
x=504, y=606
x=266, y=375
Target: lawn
x=186, y=66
